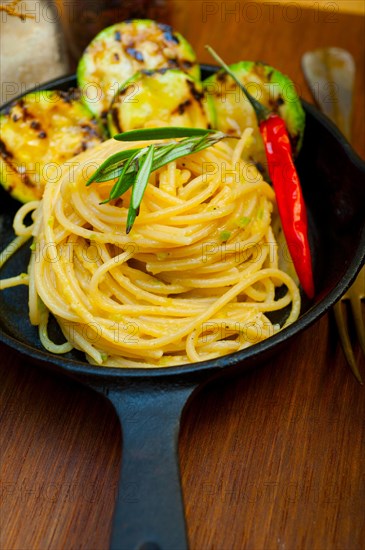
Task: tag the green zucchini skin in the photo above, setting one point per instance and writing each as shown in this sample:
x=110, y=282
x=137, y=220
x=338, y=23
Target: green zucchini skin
x=39, y=133
x=166, y=97
x=233, y=112
x=120, y=51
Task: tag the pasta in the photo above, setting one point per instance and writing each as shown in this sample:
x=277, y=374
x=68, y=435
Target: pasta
x=195, y=279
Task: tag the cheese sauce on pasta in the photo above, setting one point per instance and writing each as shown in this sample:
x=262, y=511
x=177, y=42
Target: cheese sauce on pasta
x=193, y=280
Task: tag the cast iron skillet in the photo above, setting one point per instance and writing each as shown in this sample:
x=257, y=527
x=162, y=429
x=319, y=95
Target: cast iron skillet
x=149, y=512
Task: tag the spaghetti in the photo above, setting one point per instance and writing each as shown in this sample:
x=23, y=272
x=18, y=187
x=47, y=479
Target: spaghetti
x=195, y=279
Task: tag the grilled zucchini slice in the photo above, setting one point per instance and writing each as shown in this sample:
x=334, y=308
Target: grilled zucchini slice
x=233, y=112
x=165, y=97
x=39, y=133
x=120, y=51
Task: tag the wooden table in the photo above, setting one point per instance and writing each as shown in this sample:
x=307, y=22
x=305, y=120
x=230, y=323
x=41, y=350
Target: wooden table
x=273, y=460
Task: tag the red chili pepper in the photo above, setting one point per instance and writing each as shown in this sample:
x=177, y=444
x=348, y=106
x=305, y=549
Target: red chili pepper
x=286, y=183
x=289, y=197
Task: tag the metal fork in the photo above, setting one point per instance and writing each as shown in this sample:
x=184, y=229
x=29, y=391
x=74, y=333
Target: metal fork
x=330, y=74
x=355, y=294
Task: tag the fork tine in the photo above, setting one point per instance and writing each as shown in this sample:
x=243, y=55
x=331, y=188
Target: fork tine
x=359, y=321
x=356, y=293
x=345, y=339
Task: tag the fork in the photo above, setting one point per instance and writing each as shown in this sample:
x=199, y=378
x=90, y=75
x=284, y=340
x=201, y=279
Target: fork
x=330, y=75
x=355, y=294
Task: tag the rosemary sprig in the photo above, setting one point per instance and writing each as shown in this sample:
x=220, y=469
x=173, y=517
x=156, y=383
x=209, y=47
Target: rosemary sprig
x=133, y=167
x=107, y=168
x=139, y=186
x=161, y=133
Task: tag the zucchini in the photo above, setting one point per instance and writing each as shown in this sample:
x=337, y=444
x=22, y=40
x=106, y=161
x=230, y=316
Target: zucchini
x=233, y=112
x=120, y=51
x=165, y=97
x=39, y=133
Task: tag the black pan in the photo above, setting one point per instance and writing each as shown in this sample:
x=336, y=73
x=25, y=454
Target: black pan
x=149, y=512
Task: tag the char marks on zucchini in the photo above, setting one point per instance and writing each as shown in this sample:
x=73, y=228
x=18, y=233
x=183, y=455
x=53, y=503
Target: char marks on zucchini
x=232, y=112
x=38, y=134
x=155, y=98
x=133, y=46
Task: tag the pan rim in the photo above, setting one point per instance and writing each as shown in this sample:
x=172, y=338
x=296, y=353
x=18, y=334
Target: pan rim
x=313, y=314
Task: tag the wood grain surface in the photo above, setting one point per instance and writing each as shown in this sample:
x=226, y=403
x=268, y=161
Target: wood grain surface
x=272, y=460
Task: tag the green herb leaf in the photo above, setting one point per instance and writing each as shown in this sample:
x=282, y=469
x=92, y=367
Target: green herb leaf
x=161, y=133
x=120, y=187
x=139, y=186
x=187, y=147
x=133, y=167
x=224, y=235
x=115, y=159
x=123, y=183
x=109, y=175
x=131, y=216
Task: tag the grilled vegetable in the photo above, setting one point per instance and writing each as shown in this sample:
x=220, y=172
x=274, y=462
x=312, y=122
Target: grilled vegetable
x=233, y=112
x=154, y=98
x=122, y=50
x=39, y=133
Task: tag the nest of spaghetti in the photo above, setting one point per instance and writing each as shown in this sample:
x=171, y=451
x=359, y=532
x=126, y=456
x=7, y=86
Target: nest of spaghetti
x=196, y=278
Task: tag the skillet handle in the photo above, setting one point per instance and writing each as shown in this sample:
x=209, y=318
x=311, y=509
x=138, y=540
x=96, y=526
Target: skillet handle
x=149, y=513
